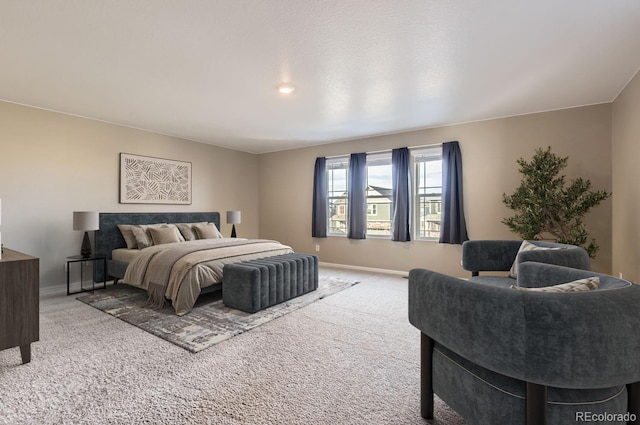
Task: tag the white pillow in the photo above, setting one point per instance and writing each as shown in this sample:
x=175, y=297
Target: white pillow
x=525, y=246
x=586, y=284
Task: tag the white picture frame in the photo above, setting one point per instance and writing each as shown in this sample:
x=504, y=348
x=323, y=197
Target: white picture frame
x=149, y=180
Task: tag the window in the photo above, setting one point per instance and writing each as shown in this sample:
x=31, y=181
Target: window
x=337, y=195
x=426, y=177
x=427, y=192
x=379, y=194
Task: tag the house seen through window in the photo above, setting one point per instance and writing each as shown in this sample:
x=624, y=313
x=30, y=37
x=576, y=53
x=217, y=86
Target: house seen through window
x=426, y=186
x=379, y=195
x=427, y=193
x=337, y=195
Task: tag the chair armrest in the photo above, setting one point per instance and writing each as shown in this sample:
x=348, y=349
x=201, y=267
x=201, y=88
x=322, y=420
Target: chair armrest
x=570, y=256
x=540, y=275
x=489, y=255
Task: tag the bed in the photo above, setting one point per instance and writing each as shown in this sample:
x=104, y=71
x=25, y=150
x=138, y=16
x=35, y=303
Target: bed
x=177, y=271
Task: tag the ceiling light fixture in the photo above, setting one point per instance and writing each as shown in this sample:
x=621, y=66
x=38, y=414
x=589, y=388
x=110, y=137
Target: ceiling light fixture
x=285, y=88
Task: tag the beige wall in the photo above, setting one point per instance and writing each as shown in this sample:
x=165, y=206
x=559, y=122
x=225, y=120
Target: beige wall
x=52, y=164
x=626, y=176
x=490, y=150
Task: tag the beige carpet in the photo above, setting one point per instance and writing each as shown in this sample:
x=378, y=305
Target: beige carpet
x=351, y=358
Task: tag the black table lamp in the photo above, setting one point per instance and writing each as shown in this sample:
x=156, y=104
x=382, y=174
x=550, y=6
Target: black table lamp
x=86, y=221
x=233, y=217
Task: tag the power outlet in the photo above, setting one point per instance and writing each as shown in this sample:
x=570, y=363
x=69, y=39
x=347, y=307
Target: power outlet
x=621, y=275
x=317, y=248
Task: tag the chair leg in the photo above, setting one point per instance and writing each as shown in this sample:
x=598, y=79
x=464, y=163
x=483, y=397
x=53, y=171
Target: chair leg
x=633, y=403
x=536, y=404
x=426, y=382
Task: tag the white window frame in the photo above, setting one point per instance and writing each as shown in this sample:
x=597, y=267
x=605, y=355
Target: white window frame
x=341, y=162
x=383, y=158
x=418, y=155
x=423, y=155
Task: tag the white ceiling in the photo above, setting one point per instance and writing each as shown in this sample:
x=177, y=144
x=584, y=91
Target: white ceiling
x=207, y=70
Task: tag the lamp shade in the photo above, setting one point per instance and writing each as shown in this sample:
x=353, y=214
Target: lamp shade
x=233, y=217
x=86, y=220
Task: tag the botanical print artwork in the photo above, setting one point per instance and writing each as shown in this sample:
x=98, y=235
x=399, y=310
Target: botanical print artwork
x=147, y=180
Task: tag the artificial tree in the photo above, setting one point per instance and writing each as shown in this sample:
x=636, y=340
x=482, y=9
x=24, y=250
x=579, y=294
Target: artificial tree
x=547, y=208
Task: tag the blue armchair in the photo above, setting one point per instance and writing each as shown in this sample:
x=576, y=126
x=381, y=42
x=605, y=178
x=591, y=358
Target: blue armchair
x=499, y=256
x=498, y=355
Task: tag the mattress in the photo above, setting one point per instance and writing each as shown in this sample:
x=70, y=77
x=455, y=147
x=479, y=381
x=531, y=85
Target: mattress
x=125, y=255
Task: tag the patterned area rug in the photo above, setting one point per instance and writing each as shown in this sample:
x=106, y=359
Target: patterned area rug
x=210, y=321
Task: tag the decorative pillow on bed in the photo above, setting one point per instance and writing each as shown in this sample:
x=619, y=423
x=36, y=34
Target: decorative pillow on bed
x=180, y=237
x=165, y=234
x=186, y=229
x=206, y=231
x=143, y=239
x=128, y=236
x=586, y=284
x=142, y=235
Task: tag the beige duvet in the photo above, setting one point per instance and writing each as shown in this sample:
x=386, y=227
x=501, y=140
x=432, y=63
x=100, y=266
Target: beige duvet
x=183, y=268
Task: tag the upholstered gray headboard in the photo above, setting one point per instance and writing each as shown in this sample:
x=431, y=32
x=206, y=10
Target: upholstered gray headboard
x=109, y=237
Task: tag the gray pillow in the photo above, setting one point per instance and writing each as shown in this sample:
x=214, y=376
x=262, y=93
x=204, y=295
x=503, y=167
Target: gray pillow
x=186, y=229
x=142, y=235
x=128, y=235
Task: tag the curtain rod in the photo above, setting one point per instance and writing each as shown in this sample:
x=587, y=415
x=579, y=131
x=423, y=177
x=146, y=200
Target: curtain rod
x=433, y=145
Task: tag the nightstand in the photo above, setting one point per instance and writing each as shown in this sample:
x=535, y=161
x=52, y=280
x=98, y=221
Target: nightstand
x=80, y=259
x=19, y=302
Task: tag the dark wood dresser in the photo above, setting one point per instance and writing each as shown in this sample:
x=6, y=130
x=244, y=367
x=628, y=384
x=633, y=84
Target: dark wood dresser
x=19, y=302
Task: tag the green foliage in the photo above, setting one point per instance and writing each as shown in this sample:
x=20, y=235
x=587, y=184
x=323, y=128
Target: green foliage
x=547, y=208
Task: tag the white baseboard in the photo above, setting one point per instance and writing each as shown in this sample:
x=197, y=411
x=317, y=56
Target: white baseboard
x=364, y=269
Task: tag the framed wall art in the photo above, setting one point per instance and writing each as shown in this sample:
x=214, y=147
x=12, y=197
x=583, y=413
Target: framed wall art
x=148, y=180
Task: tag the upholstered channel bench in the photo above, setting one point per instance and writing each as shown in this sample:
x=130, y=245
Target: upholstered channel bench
x=257, y=284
